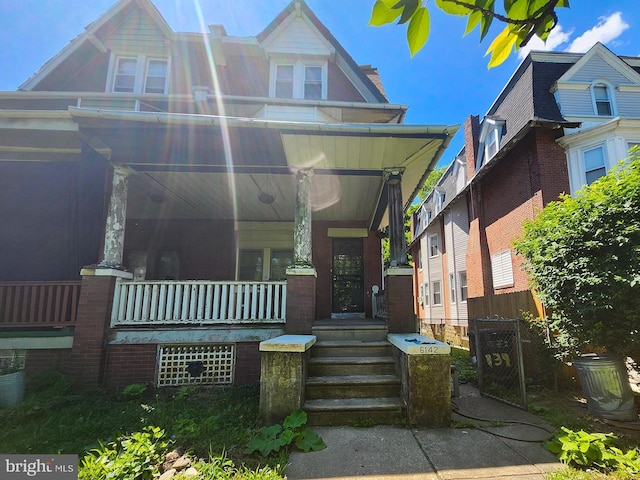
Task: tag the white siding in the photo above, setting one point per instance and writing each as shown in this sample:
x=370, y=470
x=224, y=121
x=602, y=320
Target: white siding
x=456, y=230
x=298, y=37
x=575, y=102
x=137, y=34
x=628, y=104
x=596, y=68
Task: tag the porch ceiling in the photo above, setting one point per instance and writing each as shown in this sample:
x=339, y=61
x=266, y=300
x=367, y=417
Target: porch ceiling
x=195, y=166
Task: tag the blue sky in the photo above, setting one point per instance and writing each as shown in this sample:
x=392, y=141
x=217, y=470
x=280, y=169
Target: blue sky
x=443, y=84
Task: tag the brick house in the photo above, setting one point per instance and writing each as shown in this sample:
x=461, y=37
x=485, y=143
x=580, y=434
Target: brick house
x=172, y=196
x=561, y=121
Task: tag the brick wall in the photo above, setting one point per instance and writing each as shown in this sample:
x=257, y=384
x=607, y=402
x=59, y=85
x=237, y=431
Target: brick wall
x=94, y=315
x=399, y=298
x=41, y=360
x=247, y=363
x=127, y=364
x=301, y=304
x=513, y=191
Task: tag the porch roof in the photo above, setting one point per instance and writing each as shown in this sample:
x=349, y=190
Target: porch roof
x=183, y=163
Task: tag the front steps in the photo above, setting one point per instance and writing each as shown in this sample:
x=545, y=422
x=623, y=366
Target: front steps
x=352, y=376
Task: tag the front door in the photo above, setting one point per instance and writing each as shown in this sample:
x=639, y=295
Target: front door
x=348, y=278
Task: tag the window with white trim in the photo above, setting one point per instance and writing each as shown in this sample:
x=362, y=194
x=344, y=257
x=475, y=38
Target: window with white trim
x=437, y=294
x=462, y=282
x=421, y=296
x=602, y=101
x=594, y=164
x=264, y=264
x=426, y=294
x=284, y=81
x=502, y=269
x=139, y=74
x=299, y=79
x=434, y=245
x=452, y=288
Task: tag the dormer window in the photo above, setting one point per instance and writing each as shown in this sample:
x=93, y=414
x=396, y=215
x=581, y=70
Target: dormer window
x=139, y=74
x=313, y=82
x=284, y=81
x=490, y=137
x=602, y=100
x=299, y=79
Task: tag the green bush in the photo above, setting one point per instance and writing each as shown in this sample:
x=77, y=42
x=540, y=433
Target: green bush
x=136, y=456
x=583, y=257
x=292, y=431
x=594, y=450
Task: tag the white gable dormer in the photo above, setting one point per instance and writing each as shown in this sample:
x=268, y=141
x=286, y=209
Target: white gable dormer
x=598, y=87
x=299, y=56
x=490, y=139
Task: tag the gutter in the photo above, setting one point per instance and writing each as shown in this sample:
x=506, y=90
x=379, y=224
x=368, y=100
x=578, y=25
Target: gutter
x=417, y=131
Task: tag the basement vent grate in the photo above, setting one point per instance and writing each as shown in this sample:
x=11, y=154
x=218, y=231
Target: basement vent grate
x=195, y=365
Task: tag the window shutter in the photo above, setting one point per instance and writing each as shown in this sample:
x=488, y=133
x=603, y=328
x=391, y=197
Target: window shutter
x=502, y=269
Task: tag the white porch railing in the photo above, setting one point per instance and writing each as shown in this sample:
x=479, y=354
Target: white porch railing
x=198, y=302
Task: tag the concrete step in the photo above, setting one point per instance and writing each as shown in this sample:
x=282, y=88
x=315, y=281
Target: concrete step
x=348, y=365
x=352, y=386
x=355, y=411
x=351, y=348
x=363, y=332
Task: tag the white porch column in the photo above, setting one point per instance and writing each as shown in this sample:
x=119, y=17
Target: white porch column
x=397, y=240
x=302, y=227
x=116, y=217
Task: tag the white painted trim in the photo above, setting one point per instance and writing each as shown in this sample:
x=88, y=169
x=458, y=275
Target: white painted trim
x=194, y=335
x=302, y=272
x=106, y=272
x=610, y=94
x=399, y=272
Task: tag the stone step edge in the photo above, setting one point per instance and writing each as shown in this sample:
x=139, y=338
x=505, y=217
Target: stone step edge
x=352, y=404
x=351, y=360
x=350, y=343
x=334, y=380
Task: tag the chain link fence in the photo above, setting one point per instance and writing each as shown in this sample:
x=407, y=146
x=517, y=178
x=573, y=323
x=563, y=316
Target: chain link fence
x=511, y=358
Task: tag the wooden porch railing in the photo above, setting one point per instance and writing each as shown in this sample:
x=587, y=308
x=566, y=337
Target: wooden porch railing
x=39, y=304
x=198, y=302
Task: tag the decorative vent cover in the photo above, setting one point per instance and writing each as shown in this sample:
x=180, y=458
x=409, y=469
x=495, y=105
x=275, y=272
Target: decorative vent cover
x=195, y=365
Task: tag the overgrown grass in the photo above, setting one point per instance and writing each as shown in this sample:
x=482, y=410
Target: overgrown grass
x=467, y=371
x=206, y=422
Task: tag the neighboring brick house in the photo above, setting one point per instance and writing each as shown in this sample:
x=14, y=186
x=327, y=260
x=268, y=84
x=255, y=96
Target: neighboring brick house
x=561, y=121
x=166, y=194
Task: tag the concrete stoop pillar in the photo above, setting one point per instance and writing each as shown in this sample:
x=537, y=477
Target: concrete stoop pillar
x=398, y=294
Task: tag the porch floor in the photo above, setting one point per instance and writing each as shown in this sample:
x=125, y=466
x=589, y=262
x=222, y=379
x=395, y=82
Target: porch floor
x=350, y=322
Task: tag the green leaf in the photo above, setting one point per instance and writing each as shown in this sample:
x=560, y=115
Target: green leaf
x=473, y=21
x=485, y=23
x=309, y=441
x=501, y=47
x=409, y=8
x=383, y=13
x=517, y=9
x=452, y=8
x=296, y=419
x=418, y=30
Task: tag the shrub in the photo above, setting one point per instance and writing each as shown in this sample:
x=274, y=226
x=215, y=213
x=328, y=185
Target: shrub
x=583, y=257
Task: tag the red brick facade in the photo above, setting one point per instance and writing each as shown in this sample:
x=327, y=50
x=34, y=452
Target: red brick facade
x=399, y=296
x=511, y=191
x=128, y=364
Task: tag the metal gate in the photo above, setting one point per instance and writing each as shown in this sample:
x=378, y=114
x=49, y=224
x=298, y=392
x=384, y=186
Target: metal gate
x=498, y=346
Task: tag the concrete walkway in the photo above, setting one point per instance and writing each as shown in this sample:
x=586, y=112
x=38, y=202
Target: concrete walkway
x=385, y=452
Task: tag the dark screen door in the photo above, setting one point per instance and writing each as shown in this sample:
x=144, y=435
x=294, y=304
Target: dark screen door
x=348, y=276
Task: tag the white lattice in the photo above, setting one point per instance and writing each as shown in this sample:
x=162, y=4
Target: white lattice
x=195, y=365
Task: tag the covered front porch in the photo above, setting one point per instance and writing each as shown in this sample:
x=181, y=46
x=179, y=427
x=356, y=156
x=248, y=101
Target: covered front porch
x=218, y=233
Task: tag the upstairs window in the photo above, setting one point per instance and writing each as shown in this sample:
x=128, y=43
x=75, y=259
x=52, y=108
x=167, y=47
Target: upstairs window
x=437, y=296
x=602, y=101
x=594, y=164
x=299, y=79
x=434, y=245
x=125, y=80
x=462, y=280
x=156, y=76
x=313, y=82
x=139, y=74
x=284, y=81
